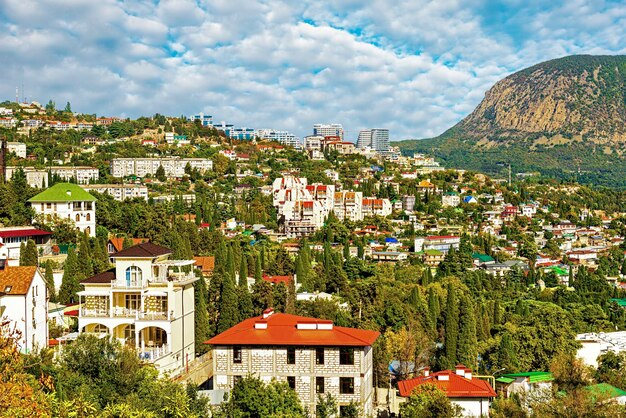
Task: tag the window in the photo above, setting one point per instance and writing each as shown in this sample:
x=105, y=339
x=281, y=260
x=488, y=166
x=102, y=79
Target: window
x=319, y=385
x=77, y=205
x=319, y=355
x=48, y=205
x=346, y=356
x=129, y=334
x=77, y=217
x=291, y=381
x=236, y=379
x=88, y=216
x=133, y=302
x=291, y=355
x=236, y=354
x=346, y=385
x=88, y=206
x=133, y=276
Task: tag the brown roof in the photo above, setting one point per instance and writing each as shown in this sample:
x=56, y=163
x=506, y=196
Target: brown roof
x=16, y=280
x=144, y=250
x=104, y=277
x=206, y=264
x=118, y=243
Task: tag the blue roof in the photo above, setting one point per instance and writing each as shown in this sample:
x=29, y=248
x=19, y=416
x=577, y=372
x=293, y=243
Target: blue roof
x=391, y=239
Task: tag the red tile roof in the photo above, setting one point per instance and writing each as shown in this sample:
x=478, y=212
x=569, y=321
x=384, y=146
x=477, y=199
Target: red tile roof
x=144, y=250
x=26, y=232
x=277, y=279
x=118, y=243
x=454, y=386
x=16, y=280
x=283, y=330
x=206, y=263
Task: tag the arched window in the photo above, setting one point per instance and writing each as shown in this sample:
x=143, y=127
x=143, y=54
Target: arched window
x=129, y=334
x=133, y=275
x=77, y=217
x=88, y=230
x=88, y=217
x=100, y=329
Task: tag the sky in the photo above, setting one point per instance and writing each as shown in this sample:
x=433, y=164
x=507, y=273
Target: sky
x=414, y=67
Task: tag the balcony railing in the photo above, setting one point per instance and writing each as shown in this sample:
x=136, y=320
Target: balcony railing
x=133, y=284
x=122, y=312
x=150, y=316
x=95, y=312
x=153, y=353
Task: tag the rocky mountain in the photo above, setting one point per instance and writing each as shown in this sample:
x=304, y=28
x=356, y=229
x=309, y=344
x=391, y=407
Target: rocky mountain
x=564, y=118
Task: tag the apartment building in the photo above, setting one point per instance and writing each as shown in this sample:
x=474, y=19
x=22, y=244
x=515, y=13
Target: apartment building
x=324, y=130
x=313, y=356
x=146, y=302
x=19, y=148
x=376, y=207
x=38, y=178
x=120, y=192
x=376, y=139
x=173, y=166
x=284, y=137
x=441, y=243
x=24, y=303
x=67, y=200
x=348, y=205
x=325, y=194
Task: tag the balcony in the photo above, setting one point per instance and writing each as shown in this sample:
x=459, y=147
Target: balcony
x=123, y=312
x=154, y=316
x=153, y=353
x=97, y=313
x=132, y=284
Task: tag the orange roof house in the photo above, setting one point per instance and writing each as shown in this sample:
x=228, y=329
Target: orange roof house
x=206, y=264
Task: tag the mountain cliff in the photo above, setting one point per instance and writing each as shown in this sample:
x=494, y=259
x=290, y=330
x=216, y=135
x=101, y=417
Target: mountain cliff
x=564, y=118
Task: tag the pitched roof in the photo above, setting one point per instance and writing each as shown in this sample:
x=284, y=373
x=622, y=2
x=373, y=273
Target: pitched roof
x=63, y=192
x=118, y=243
x=104, y=277
x=16, y=280
x=206, y=263
x=454, y=385
x=277, y=279
x=532, y=376
x=292, y=330
x=143, y=250
x=605, y=390
x=23, y=232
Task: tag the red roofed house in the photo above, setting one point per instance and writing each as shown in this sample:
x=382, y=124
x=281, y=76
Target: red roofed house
x=24, y=302
x=278, y=279
x=470, y=393
x=313, y=355
x=12, y=237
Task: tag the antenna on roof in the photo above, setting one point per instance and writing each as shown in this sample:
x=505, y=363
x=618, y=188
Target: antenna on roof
x=17, y=94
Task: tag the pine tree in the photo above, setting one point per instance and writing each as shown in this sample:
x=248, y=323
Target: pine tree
x=451, y=327
x=49, y=279
x=201, y=318
x=467, y=352
x=70, y=284
x=258, y=271
x=28, y=254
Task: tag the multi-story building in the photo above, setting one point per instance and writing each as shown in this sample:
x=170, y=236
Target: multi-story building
x=24, y=302
x=376, y=207
x=12, y=237
x=19, y=148
x=324, y=130
x=147, y=302
x=376, y=139
x=32, y=123
x=313, y=143
x=8, y=123
x=173, y=166
x=67, y=200
x=301, y=209
x=224, y=127
x=441, y=243
x=38, y=178
x=325, y=194
x=205, y=120
x=284, y=137
x=120, y=192
x=451, y=199
x=313, y=356
x=348, y=205
x=242, y=134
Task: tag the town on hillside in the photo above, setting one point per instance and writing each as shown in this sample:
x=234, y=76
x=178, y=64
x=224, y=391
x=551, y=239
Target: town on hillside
x=179, y=266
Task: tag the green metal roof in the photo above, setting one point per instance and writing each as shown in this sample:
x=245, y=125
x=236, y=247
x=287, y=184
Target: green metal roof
x=505, y=380
x=63, y=192
x=483, y=258
x=605, y=390
x=558, y=270
x=533, y=377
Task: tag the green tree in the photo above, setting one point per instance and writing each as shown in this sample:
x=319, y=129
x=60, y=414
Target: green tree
x=49, y=279
x=160, y=174
x=228, y=307
x=428, y=401
x=243, y=271
x=326, y=407
x=467, y=353
x=201, y=317
x=70, y=284
x=451, y=327
x=29, y=256
x=68, y=108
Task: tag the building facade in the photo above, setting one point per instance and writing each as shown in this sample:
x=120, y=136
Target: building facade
x=12, y=237
x=39, y=178
x=24, y=302
x=376, y=139
x=147, y=303
x=173, y=166
x=324, y=130
x=67, y=201
x=120, y=192
x=313, y=356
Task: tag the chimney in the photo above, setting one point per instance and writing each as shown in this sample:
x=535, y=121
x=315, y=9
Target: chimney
x=268, y=312
x=426, y=371
x=460, y=370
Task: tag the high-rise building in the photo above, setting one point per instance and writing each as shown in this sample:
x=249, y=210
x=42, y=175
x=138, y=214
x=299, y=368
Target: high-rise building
x=377, y=139
x=284, y=137
x=205, y=120
x=334, y=129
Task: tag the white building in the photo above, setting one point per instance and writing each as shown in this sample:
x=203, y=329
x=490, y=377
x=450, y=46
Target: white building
x=67, y=201
x=450, y=199
x=376, y=207
x=300, y=211
x=595, y=344
x=24, y=302
x=348, y=205
x=12, y=237
x=205, y=120
x=324, y=130
x=120, y=192
x=19, y=148
x=146, y=303
x=376, y=139
x=284, y=137
x=38, y=178
x=313, y=356
x=8, y=123
x=173, y=166
x=313, y=143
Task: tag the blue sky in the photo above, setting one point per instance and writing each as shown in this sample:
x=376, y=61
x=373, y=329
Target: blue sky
x=414, y=67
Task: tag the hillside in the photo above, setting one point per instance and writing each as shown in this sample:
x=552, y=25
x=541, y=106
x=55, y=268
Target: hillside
x=565, y=118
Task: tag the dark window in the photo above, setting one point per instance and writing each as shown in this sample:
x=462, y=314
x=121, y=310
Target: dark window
x=291, y=355
x=319, y=355
x=291, y=381
x=319, y=385
x=346, y=385
x=236, y=354
x=346, y=356
x=236, y=379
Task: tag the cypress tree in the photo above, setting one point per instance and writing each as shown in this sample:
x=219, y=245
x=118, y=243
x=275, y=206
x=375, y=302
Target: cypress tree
x=258, y=271
x=433, y=308
x=507, y=357
x=290, y=305
x=22, y=253
x=346, y=251
x=243, y=272
x=497, y=314
x=228, y=306
x=28, y=253
x=202, y=329
x=451, y=327
x=246, y=307
x=49, y=278
x=466, y=346
x=70, y=284
x=85, y=265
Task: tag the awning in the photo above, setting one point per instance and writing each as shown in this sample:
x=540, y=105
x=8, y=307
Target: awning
x=151, y=292
x=93, y=292
x=505, y=380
